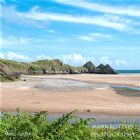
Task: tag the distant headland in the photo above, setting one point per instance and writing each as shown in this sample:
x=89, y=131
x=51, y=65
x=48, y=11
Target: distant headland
x=11, y=70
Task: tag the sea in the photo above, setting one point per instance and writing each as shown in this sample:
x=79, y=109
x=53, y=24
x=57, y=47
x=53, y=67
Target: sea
x=128, y=71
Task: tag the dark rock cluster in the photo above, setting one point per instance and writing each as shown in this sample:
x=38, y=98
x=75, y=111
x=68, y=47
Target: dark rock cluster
x=101, y=69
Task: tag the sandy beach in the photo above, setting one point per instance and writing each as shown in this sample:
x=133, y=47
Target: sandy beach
x=88, y=93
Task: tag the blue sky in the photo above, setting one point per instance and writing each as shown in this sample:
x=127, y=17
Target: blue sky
x=75, y=31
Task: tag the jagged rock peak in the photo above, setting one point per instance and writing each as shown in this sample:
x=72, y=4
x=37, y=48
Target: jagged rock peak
x=106, y=69
x=101, y=66
x=90, y=66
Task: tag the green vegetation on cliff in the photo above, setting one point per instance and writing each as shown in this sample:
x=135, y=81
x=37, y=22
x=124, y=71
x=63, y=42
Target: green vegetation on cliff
x=11, y=70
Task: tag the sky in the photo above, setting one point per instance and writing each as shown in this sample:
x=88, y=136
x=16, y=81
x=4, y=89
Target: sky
x=74, y=31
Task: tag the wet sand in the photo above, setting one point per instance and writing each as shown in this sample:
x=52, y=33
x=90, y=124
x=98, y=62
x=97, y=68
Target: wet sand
x=130, y=80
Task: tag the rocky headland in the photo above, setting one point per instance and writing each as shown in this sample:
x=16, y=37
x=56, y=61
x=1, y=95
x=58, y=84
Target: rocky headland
x=11, y=70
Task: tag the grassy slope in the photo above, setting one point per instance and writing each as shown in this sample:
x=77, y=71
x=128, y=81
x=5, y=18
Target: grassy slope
x=10, y=68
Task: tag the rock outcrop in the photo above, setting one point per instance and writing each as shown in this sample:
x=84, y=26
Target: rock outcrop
x=101, y=69
x=91, y=68
x=106, y=69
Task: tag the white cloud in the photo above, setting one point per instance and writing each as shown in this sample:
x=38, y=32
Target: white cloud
x=1, y=55
x=114, y=62
x=35, y=15
x=94, y=36
x=39, y=57
x=105, y=60
x=127, y=10
x=19, y=40
x=12, y=40
x=76, y=59
x=120, y=62
x=12, y=15
x=15, y=56
x=93, y=20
